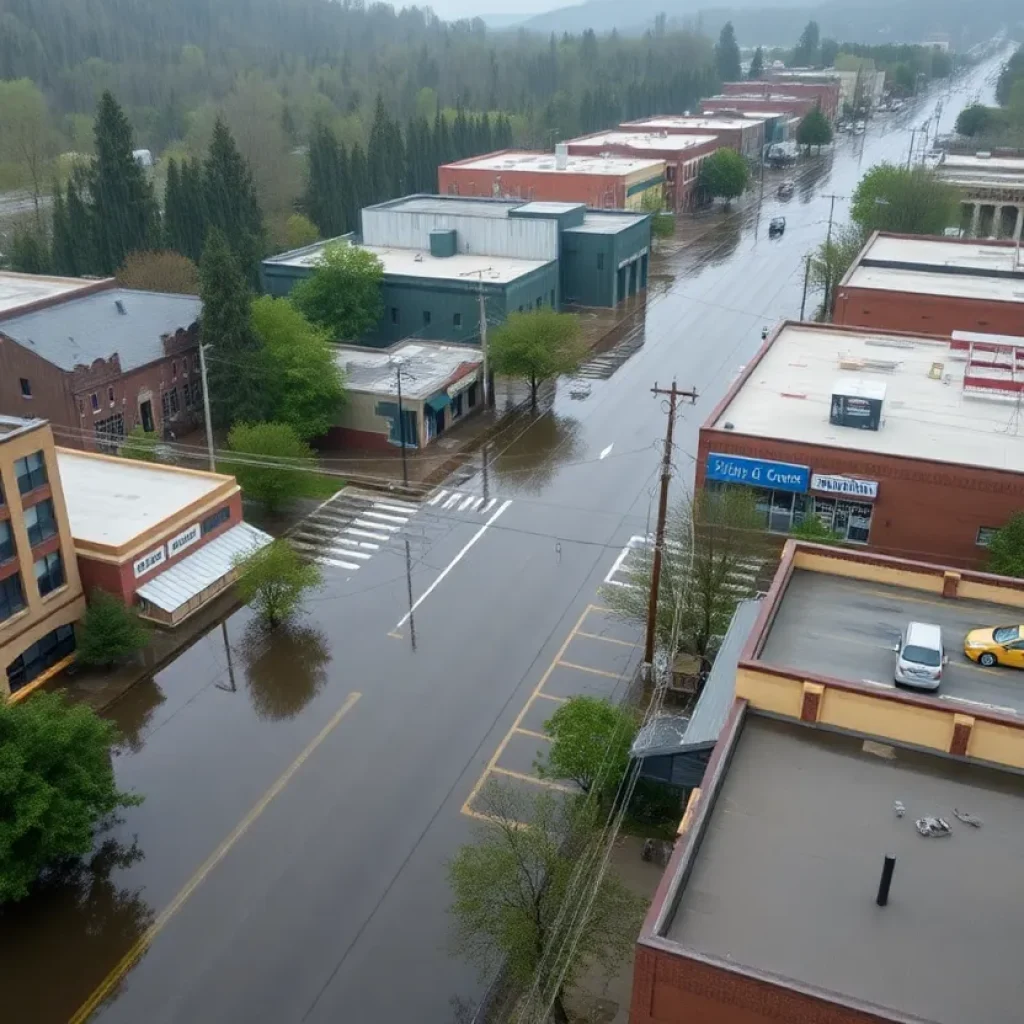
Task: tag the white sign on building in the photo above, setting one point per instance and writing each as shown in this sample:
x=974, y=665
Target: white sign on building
x=845, y=485
x=183, y=540
x=150, y=561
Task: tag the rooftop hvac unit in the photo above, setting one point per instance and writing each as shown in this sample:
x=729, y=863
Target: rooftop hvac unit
x=561, y=156
x=858, y=404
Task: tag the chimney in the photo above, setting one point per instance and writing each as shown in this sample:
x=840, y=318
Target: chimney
x=561, y=156
x=888, y=866
x=119, y=306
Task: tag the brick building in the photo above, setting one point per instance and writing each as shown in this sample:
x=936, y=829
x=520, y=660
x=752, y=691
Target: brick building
x=745, y=135
x=40, y=590
x=608, y=182
x=896, y=442
x=934, y=286
x=755, y=103
x=97, y=360
x=824, y=93
x=683, y=155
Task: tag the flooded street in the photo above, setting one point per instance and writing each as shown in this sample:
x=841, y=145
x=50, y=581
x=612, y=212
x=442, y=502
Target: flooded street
x=303, y=786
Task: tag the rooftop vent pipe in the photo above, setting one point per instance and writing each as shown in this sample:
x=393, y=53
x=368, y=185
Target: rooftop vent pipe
x=884, y=883
x=119, y=306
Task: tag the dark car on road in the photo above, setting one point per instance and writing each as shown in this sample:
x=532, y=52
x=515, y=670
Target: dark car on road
x=776, y=227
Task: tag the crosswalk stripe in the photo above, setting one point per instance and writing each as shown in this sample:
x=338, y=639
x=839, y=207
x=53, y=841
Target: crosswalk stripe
x=338, y=539
x=337, y=563
x=349, y=552
x=487, y=508
x=370, y=525
x=477, y=503
x=366, y=533
x=469, y=501
x=404, y=506
x=385, y=516
x=453, y=500
x=437, y=497
x=404, y=509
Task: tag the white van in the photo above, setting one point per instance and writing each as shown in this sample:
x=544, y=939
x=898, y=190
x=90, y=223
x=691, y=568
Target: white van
x=920, y=656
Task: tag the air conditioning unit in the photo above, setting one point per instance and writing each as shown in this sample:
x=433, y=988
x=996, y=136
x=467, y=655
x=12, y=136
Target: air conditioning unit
x=857, y=403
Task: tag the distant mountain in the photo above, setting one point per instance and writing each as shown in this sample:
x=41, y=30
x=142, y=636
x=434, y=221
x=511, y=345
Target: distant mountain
x=500, y=21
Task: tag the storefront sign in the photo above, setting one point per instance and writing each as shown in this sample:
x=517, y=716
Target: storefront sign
x=150, y=561
x=462, y=383
x=185, y=539
x=777, y=476
x=847, y=485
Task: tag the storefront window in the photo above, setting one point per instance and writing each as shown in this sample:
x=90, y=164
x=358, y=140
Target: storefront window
x=780, y=511
x=851, y=520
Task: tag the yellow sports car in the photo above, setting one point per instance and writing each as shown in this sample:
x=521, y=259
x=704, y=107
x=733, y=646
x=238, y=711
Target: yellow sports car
x=1003, y=645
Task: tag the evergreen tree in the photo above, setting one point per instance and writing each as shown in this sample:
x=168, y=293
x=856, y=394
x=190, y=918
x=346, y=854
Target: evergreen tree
x=324, y=200
x=125, y=213
x=727, y=55
x=195, y=222
x=236, y=358
x=174, y=226
x=757, y=64
x=62, y=248
x=358, y=195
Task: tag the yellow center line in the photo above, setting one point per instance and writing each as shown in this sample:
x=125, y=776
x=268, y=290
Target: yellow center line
x=607, y=639
x=587, y=668
x=125, y=964
x=523, y=777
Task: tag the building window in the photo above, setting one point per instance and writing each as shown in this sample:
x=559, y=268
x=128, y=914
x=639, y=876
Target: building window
x=600, y=261
x=40, y=521
x=218, y=518
x=165, y=404
x=31, y=472
x=670, y=173
x=394, y=314
x=540, y=301
x=426, y=318
x=26, y=387
x=456, y=320
x=197, y=392
x=184, y=365
x=174, y=370
x=43, y=654
x=109, y=432
x=49, y=572
x=985, y=535
x=94, y=401
x=471, y=395
x=175, y=406
x=11, y=598
x=6, y=541
x=186, y=392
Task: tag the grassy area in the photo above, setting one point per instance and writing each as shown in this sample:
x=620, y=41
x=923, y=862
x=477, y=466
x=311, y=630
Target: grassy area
x=316, y=486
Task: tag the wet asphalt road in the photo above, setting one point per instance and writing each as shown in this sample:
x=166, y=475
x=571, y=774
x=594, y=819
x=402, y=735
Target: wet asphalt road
x=288, y=862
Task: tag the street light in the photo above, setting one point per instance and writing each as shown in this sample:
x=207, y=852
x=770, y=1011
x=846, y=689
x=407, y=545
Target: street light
x=396, y=362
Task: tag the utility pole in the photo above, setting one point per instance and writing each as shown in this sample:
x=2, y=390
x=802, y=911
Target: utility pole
x=401, y=424
x=488, y=397
x=910, y=153
x=659, y=537
x=206, y=406
x=828, y=242
x=807, y=275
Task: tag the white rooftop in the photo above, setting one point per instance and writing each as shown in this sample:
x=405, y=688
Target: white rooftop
x=643, y=140
x=427, y=367
x=695, y=121
x=21, y=289
x=788, y=396
x=545, y=163
x=110, y=501
x=993, y=164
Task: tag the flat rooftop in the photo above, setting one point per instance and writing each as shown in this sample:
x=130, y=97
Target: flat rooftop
x=12, y=426
x=682, y=121
x=463, y=206
x=845, y=629
x=18, y=290
x=787, y=394
x=993, y=164
x=111, y=501
x=784, y=881
x=427, y=367
x=644, y=141
x=545, y=163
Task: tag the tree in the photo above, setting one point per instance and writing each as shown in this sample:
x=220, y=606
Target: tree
x=814, y=129
x=273, y=456
x=914, y=202
x=325, y=200
x=757, y=64
x=303, y=384
x=299, y=230
x=237, y=374
x=125, y=216
x=159, y=271
x=590, y=744
x=727, y=55
x=25, y=136
x=814, y=530
x=513, y=887
x=110, y=631
x=141, y=445
x=832, y=259
x=1006, y=549
x=278, y=695
x=29, y=253
x=806, y=52
x=185, y=220
x=715, y=544
x=343, y=294
x=725, y=174
x=828, y=52
x=274, y=580
x=537, y=346
x=663, y=223
x=56, y=784
x=974, y=119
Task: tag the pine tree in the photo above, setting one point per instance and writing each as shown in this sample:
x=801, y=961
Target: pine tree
x=125, y=212
x=324, y=200
x=195, y=221
x=236, y=364
x=63, y=250
x=359, y=193
x=81, y=231
x=174, y=220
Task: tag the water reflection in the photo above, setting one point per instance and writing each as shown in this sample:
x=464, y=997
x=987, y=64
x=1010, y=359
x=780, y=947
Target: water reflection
x=83, y=920
x=533, y=458
x=284, y=668
x=133, y=711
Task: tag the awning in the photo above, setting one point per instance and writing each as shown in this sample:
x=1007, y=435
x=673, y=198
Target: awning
x=188, y=578
x=438, y=402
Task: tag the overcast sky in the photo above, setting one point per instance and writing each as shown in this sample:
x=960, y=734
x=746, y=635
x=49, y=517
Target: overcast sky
x=451, y=9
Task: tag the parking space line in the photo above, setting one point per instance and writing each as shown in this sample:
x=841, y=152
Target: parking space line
x=608, y=639
x=594, y=671
x=523, y=777
x=600, y=608
x=535, y=735
x=551, y=696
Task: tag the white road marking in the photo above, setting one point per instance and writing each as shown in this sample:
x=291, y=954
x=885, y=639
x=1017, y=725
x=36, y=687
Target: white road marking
x=469, y=501
x=488, y=506
x=453, y=500
x=437, y=497
x=356, y=543
x=366, y=533
x=477, y=503
x=607, y=451
x=451, y=565
x=336, y=563
x=385, y=516
x=390, y=506
x=347, y=552
x=617, y=566
x=370, y=525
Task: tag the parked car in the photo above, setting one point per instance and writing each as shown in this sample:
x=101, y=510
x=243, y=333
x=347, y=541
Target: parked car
x=859, y=128
x=785, y=189
x=776, y=227
x=920, y=656
x=1000, y=645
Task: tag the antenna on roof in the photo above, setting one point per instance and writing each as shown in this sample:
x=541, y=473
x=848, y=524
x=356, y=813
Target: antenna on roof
x=119, y=306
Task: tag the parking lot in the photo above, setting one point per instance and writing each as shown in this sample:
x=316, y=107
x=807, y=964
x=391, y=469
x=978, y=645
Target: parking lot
x=846, y=629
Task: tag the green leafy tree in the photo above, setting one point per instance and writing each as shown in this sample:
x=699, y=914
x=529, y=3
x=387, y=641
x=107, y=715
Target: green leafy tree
x=725, y=175
x=537, y=346
x=718, y=543
x=828, y=52
x=271, y=458
x=125, y=216
x=975, y=119
x=141, y=445
x=237, y=374
x=806, y=52
x=832, y=259
x=663, y=223
x=278, y=695
x=727, y=55
x=274, y=580
x=29, y=252
x=513, y=887
x=757, y=64
x=1006, y=549
x=914, y=202
x=26, y=139
x=110, y=631
x=343, y=294
x=160, y=271
x=590, y=743
x=814, y=129
x=56, y=784
x=304, y=385
x=299, y=230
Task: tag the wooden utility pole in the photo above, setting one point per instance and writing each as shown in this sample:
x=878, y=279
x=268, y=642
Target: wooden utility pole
x=674, y=394
x=807, y=274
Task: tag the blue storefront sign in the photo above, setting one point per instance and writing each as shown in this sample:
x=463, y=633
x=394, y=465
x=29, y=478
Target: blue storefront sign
x=776, y=476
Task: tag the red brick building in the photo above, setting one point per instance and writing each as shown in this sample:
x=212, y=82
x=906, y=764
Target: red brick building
x=683, y=155
x=754, y=103
x=97, y=360
x=824, y=94
x=895, y=442
x=934, y=286
x=744, y=135
x=601, y=182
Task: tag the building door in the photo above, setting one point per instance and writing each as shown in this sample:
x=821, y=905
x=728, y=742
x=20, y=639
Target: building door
x=643, y=271
x=620, y=285
x=634, y=268
x=146, y=413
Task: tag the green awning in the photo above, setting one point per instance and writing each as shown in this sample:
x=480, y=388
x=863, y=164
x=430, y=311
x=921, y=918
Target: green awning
x=437, y=403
